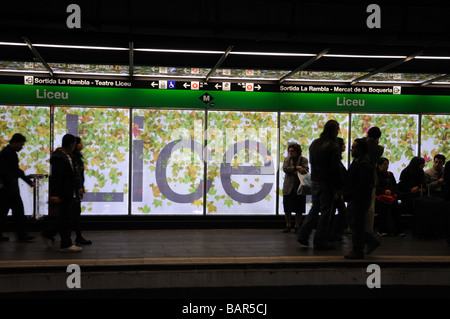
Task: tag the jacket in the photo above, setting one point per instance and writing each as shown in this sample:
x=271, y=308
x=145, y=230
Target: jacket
x=410, y=178
x=291, y=172
x=325, y=160
x=9, y=169
x=386, y=181
x=63, y=179
x=431, y=179
x=78, y=164
x=375, y=150
x=360, y=180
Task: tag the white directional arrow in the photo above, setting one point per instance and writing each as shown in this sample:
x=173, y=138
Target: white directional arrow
x=258, y=87
x=154, y=84
x=217, y=86
x=186, y=85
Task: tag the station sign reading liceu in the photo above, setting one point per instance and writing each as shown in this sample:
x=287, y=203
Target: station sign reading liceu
x=298, y=98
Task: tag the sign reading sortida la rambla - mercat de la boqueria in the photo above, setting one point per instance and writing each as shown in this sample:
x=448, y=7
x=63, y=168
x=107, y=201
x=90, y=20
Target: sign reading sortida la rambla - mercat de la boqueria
x=375, y=100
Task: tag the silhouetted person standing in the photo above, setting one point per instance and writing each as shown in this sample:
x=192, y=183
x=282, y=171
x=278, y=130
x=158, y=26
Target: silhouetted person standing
x=326, y=178
x=358, y=192
x=9, y=192
x=375, y=151
x=63, y=189
x=78, y=163
x=292, y=202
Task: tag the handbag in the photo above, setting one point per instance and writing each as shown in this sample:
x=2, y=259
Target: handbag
x=305, y=184
x=386, y=199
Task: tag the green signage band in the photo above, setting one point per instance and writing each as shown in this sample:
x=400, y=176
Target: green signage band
x=280, y=101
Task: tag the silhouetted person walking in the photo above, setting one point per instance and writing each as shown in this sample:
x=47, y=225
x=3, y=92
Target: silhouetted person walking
x=9, y=191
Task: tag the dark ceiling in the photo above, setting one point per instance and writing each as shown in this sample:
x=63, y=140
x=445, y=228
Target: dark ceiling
x=407, y=28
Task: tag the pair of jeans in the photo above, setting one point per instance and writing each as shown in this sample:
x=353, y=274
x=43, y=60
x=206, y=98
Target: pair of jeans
x=62, y=224
x=322, y=202
x=10, y=199
x=360, y=237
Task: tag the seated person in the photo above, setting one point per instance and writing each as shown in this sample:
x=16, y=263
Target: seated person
x=434, y=176
x=386, y=203
x=412, y=183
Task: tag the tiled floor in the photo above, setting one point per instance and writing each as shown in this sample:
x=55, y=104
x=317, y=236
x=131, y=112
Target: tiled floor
x=211, y=243
x=204, y=263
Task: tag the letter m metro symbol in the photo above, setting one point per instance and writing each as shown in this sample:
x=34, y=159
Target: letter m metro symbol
x=206, y=98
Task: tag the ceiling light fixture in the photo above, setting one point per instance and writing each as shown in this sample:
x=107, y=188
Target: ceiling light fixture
x=13, y=44
x=272, y=53
x=365, y=56
x=83, y=47
x=304, y=65
x=385, y=68
x=434, y=57
x=179, y=51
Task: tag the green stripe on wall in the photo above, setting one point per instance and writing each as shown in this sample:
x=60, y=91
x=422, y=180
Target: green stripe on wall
x=314, y=102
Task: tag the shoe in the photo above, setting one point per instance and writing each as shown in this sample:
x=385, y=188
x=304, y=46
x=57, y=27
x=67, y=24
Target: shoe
x=303, y=242
x=401, y=235
x=382, y=234
x=372, y=246
x=82, y=241
x=3, y=238
x=354, y=255
x=71, y=249
x=49, y=242
x=287, y=230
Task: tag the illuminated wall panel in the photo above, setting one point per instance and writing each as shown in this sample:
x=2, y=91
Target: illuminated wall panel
x=174, y=151
x=105, y=136
x=34, y=123
x=241, y=162
x=303, y=128
x=168, y=164
x=399, y=136
x=435, y=137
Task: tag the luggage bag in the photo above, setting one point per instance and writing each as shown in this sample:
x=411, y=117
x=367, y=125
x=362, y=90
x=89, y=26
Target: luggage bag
x=429, y=217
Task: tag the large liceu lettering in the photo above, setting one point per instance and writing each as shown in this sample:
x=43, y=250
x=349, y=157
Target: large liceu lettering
x=226, y=170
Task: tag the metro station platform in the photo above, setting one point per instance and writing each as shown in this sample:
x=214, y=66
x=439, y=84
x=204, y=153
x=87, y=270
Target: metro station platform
x=222, y=263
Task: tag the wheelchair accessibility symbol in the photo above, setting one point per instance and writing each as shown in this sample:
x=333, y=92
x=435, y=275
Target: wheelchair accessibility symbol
x=171, y=84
